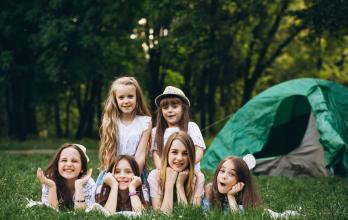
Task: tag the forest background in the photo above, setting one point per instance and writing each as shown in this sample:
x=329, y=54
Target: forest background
x=58, y=58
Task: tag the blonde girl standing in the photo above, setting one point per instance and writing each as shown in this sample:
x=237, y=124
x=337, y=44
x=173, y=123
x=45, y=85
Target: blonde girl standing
x=177, y=181
x=126, y=126
x=172, y=116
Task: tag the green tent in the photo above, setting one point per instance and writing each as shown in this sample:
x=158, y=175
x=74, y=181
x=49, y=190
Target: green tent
x=293, y=128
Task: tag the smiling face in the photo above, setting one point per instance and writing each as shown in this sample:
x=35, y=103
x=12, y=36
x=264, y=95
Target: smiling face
x=178, y=158
x=123, y=173
x=126, y=98
x=69, y=164
x=227, y=177
x=172, y=113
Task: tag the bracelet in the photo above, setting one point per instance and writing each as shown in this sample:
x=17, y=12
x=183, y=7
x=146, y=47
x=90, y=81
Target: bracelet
x=133, y=193
x=80, y=200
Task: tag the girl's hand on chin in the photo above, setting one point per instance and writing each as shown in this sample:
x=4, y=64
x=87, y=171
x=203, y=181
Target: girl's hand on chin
x=182, y=176
x=135, y=183
x=43, y=179
x=83, y=180
x=171, y=175
x=110, y=180
x=236, y=189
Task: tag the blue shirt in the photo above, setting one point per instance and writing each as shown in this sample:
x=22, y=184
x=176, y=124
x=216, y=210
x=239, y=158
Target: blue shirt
x=225, y=206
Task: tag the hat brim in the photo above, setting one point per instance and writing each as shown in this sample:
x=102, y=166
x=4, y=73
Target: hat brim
x=159, y=98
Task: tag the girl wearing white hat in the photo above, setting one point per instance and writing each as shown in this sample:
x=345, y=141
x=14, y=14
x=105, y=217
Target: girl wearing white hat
x=172, y=116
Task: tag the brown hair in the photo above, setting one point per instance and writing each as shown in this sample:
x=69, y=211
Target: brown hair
x=162, y=125
x=123, y=204
x=64, y=195
x=248, y=197
x=109, y=139
x=188, y=143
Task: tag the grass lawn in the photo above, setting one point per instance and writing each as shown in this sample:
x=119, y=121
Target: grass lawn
x=44, y=143
x=314, y=198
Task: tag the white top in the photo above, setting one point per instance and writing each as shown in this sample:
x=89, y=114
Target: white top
x=193, y=131
x=130, y=135
x=88, y=190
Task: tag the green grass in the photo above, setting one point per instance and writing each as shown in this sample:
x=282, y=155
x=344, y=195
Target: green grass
x=45, y=143
x=314, y=198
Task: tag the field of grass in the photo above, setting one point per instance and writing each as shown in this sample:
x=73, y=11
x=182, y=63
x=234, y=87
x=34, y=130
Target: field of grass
x=314, y=198
x=44, y=143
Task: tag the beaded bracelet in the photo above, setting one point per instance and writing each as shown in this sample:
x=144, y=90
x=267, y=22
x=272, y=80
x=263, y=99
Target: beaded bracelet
x=80, y=200
x=132, y=193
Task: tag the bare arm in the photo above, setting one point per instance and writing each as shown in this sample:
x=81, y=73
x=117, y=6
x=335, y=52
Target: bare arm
x=232, y=203
x=111, y=202
x=231, y=196
x=198, y=188
x=52, y=190
x=180, y=190
x=156, y=203
x=80, y=202
x=134, y=197
x=52, y=197
x=208, y=191
x=199, y=153
x=168, y=198
x=140, y=154
x=156, y=159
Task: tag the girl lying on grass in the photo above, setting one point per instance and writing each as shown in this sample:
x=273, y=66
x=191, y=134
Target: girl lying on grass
x=232, y=188
x=177, y=181
x=66, y=183
x=122, y=187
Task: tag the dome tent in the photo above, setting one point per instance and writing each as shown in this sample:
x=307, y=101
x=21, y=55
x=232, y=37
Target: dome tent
x=293, y=128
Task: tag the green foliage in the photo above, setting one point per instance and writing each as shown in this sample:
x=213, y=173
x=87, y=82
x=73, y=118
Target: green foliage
x=57, y=59
x=44, y=144
x=173, y=78
x=314, y=198
x=326, y=18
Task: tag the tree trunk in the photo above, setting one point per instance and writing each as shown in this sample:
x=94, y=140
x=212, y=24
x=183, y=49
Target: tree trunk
x=67, y=116
x=86, y=110
x=99, y=104
x=211, y=98
x=91, y=110
x=82, y=113
x=201, y=100
x=155, y=81
x=59, y=132
x=21, y=108
x=247, y=90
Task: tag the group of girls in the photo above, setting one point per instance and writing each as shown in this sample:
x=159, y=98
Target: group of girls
x=124, y=183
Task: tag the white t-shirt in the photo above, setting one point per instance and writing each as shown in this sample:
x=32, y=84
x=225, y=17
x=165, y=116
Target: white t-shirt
x=193, y=131
x=130, y=135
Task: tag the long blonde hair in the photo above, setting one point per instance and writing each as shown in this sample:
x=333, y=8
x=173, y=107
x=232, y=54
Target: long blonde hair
x=109, y=139
x=190, y=147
